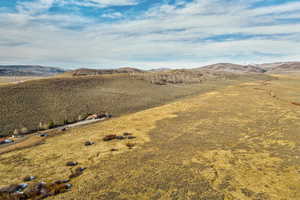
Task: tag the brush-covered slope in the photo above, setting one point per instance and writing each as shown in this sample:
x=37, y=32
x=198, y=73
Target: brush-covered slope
x=235, y=143
x=234, y=68
x=66, y=98
x=87, y=72
x=288, y=67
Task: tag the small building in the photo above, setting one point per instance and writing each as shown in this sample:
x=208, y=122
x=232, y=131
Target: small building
x=90, y=117
x=17, y=136
x=98, y=116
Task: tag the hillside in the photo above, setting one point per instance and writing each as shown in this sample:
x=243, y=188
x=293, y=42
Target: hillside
x=87, y=72
x=36, y=70
x=234, y=68
x=28, y=70
x=273, y=65
x=289, y=67
x=236, y=142
x=276, y=68
x=66, y=98
x=163, y=69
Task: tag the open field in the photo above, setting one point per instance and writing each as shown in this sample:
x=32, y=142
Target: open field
x=4, y=80
x=66, y=98
x=237, y=142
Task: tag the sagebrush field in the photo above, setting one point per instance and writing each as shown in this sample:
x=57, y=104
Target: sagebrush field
x=236, y=142
x=26, y=105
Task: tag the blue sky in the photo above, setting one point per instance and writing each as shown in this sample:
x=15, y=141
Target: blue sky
x=148, y=33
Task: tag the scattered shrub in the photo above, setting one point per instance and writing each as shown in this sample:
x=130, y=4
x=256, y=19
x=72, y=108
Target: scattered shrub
x=130, y=145
x=66, y=122
x=51, y=125
x=172, y=77
x=77, y=172
x=43, y=126
x=109, y=137
x=81, y=117
x=17, y=132
x=24, y=131
x=71, y=163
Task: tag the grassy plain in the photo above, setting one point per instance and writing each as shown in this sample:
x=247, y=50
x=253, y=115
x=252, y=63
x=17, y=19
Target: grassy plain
x=4, y=80
x=238, y=142
x=65, y=98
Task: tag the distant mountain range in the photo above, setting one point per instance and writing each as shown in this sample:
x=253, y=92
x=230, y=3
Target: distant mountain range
x=37, y=70
x=234, y=68
x=29, y=70
x=85, y=72
x=282, y=67
x=159, y=69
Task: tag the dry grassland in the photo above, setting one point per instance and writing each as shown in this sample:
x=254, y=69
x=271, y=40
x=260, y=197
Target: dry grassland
x=234, y=143
x=62, y=98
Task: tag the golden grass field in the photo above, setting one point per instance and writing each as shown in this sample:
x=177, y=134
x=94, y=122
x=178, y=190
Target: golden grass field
x=235, y=143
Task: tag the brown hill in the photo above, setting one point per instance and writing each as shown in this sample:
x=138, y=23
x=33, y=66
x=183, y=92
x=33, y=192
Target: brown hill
x=287, y=67
x=159, y=69
x=272, y=65
x=88, y=72
x=233, y=68
x=57, y=99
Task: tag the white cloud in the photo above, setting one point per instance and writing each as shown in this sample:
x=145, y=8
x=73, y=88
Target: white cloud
x=165, y=36
x=34, y=7
x=113, y=15
x=115, y=2
x=38, y=6
x=98, y=3
x=295, y=6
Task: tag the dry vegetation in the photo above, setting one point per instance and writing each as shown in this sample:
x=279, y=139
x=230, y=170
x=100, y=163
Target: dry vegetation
x=191, y=76
x=237, y=142
x=4, y=80
x=53, y=101
x=89, y=72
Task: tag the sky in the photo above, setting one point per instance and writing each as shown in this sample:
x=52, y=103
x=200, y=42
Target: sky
x=148, y=33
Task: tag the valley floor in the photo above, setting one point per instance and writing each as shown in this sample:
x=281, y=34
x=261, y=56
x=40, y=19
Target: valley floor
x=241, y=142
x=5, y=80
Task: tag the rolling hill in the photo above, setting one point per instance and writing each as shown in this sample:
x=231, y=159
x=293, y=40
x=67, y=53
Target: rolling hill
x=273, y=65
x=234, y=68
x=87, y=72
x=288, y=67
x=37, y=70
x=276, y=68
x=237, y=142
x=57, y=99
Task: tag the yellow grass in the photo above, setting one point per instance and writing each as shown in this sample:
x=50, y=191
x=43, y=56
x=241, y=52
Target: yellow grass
x=5, y=80
x=234, y=143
